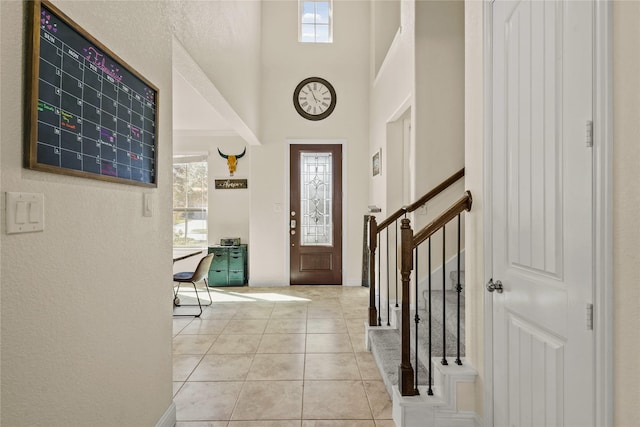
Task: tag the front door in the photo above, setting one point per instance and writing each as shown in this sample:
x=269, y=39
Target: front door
x=315, y=217
x=542, y=210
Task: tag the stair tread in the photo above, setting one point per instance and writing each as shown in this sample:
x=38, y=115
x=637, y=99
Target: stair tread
x=385, y=346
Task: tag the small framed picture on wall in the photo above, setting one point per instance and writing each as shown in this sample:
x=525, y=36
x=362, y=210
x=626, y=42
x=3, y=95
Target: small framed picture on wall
x=377, y=163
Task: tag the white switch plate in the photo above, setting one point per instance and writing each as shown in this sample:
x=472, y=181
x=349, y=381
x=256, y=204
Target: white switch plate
x=24, y=212
x=147, y=204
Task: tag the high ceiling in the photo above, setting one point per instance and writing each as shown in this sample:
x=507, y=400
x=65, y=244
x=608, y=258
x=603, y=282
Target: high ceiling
x=191, y=112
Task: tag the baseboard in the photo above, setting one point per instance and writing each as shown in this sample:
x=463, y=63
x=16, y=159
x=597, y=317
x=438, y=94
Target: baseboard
x=168, y=419
x=461, y=419
x=281, y=283
x=353, y=282
x=268, y=283
x=478, y=421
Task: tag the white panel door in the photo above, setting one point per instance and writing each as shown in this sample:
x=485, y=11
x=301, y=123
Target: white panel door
x=542, y=213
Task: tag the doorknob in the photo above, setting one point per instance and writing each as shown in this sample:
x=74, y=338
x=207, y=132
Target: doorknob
x=497, y=286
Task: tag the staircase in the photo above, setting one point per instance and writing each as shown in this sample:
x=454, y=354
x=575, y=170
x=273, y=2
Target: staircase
x=441, y=408
x=383, y=338
x=420, y=353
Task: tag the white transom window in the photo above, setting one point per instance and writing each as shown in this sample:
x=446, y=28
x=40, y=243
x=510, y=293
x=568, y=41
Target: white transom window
x=315, y=25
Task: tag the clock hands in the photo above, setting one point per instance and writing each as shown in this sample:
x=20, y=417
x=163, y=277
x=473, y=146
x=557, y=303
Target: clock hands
x=314, y=96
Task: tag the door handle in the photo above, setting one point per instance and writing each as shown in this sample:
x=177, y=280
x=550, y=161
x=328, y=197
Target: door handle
x=495, y=286
x=292, y=226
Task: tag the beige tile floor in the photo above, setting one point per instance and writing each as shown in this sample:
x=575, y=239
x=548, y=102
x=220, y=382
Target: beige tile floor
x=278, y=357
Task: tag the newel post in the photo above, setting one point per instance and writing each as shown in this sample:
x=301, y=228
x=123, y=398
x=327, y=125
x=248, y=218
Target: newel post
x=373, y=244
x=405, y=371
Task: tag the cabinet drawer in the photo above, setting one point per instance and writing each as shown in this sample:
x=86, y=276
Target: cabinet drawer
x=236, y=277
x=220, y=257
x=236, y=262
x=218, y=277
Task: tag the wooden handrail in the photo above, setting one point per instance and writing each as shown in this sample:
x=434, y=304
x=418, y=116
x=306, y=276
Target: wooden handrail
x=463, y=204
x=422, y=200
x=375, y=228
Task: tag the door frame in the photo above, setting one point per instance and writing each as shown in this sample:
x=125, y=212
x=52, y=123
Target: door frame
x=287, y=201
x=602, y=215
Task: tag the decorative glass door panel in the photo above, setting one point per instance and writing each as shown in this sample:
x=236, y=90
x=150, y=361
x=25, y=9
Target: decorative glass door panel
x=316, y=199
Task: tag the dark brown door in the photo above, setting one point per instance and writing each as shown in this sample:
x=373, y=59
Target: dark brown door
x=315, y=217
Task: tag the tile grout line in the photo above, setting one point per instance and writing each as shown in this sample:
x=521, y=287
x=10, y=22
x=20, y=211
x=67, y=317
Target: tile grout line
x=348, y=333
x=304, y=364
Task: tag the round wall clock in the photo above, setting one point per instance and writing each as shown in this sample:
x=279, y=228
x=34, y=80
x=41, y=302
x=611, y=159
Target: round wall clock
x=314, y=98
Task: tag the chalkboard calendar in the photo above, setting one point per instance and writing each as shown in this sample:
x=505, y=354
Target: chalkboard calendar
x=88, y=113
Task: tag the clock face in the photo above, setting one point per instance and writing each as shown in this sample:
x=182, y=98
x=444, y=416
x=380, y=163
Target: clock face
x=314, y=98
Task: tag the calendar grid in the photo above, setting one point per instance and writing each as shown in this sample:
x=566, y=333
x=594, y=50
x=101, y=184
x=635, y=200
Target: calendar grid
x=94, y=115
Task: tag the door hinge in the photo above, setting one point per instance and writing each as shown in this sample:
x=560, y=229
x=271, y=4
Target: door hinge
x=589, y=133
x=590, y=317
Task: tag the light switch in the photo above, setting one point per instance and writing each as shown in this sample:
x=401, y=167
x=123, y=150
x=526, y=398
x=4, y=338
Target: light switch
x=21, y=212
x=147, y=204
x=24, y=212
x=35, y=212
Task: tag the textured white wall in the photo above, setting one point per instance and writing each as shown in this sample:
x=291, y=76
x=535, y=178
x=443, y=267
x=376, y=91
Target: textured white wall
x=626, y=199
x=474, y=182
x=86, y=311
x=229, y=209
x=1, y=213
x=345, y=63
x=385, y=15
x=392, y=101
x=439, y=104
x=392, y=97
x=223, y=37
x=439, y=114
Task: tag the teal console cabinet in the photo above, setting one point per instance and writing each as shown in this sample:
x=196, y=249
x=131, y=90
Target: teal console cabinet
x=229, y=266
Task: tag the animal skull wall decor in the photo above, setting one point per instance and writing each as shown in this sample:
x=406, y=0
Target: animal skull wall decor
x=232, y=160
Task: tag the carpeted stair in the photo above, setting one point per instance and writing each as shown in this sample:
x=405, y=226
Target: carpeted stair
x=386, y=342
x=385, y=346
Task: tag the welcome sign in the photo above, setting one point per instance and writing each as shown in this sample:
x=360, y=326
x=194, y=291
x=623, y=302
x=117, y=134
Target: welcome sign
x=230, y=184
